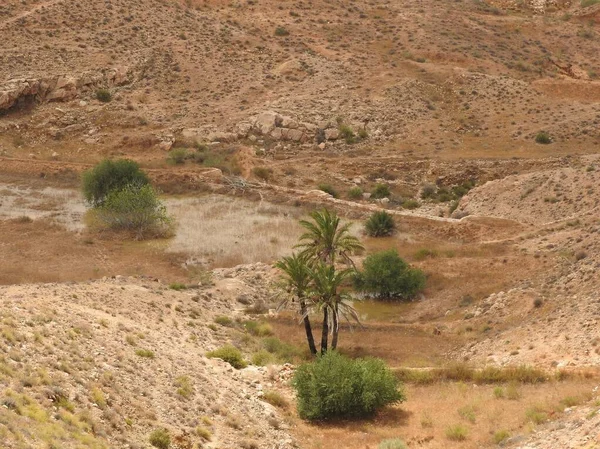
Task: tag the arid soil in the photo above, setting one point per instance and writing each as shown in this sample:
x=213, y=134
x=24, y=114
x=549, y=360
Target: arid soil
x=482, y=117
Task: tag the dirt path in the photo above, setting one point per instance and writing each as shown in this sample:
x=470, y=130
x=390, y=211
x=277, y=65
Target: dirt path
x=47, y=4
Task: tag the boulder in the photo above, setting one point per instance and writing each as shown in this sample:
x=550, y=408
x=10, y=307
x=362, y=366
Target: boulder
x=267, y=121
x=332, y=133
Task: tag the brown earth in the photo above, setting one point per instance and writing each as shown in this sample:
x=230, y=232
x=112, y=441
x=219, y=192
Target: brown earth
x=438, y=95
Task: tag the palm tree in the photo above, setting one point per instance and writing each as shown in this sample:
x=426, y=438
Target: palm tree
x=298, y=279
x=325, y=239
x=326, y=282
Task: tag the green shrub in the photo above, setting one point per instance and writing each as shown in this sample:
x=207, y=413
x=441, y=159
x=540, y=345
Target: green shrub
x=386, y=275
x=160, y=438
x=335, y=386
x=146, y=353
x=262, y=358
x=275, y=398
x=395, y=443
x=135, y=209
x=284, y=352
x=425, y=253
x=263, y=173
x=103, y=95
x=204, y=433
x=586, y=3
x=328, y=188
x=536, y=415
x=109, y=175
x=500, y=436
x=543, y=138
x=380, y=224
x=456, y=433
x=347, y=133
x=229, y=354
x=428, y=190
x=177, y=286
x=355, y=193
x=410, y=204
x=224, y=321
x=258, y=329
x=281, y=31
x=177, y=156
x=380, y=191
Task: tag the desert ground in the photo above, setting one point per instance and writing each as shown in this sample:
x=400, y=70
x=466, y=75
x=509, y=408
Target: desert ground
x=482, y=119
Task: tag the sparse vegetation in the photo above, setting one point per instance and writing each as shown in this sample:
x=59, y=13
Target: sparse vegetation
x=395, y=443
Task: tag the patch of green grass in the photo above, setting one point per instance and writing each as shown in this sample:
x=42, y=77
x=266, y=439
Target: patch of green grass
x=536, y=415
x=229, y=354
x=204, y=433
x=457, y=432
x=224, y=321
x=160, y=438
x=258, y=329
x=586, y=3
x=185, y=387
x=147, y=353
x=177, y=286
x=394, y=443
x=328, y=188
x=500, y=436
x=275, y=398
x=262, y=358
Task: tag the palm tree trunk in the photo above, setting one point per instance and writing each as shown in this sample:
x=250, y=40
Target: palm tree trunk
x=308, y=329
x=334, y=338
x=325, y=333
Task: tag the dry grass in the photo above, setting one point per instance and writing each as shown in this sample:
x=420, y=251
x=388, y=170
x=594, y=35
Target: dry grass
x=222, y=231
x=432, y=410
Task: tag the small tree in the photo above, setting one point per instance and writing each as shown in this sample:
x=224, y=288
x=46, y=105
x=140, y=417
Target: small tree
x=136, y=209
x=380, y=224
x=325, y=238
x=386, y=275
x=110, y=175
x=298, y=278
x=334, y=386
x=325, y=288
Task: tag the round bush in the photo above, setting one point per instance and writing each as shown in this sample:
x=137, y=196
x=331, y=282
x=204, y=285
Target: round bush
x=111, y=175
x=136, y=209
x=103, y=95
x=160, y=439
x=380, y=191
x=229, y=354
x=335, y=386
x=543, y=138
x=386, y=275
x=380, y=224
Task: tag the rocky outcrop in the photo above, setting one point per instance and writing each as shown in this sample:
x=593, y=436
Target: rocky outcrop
x=58, y=88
